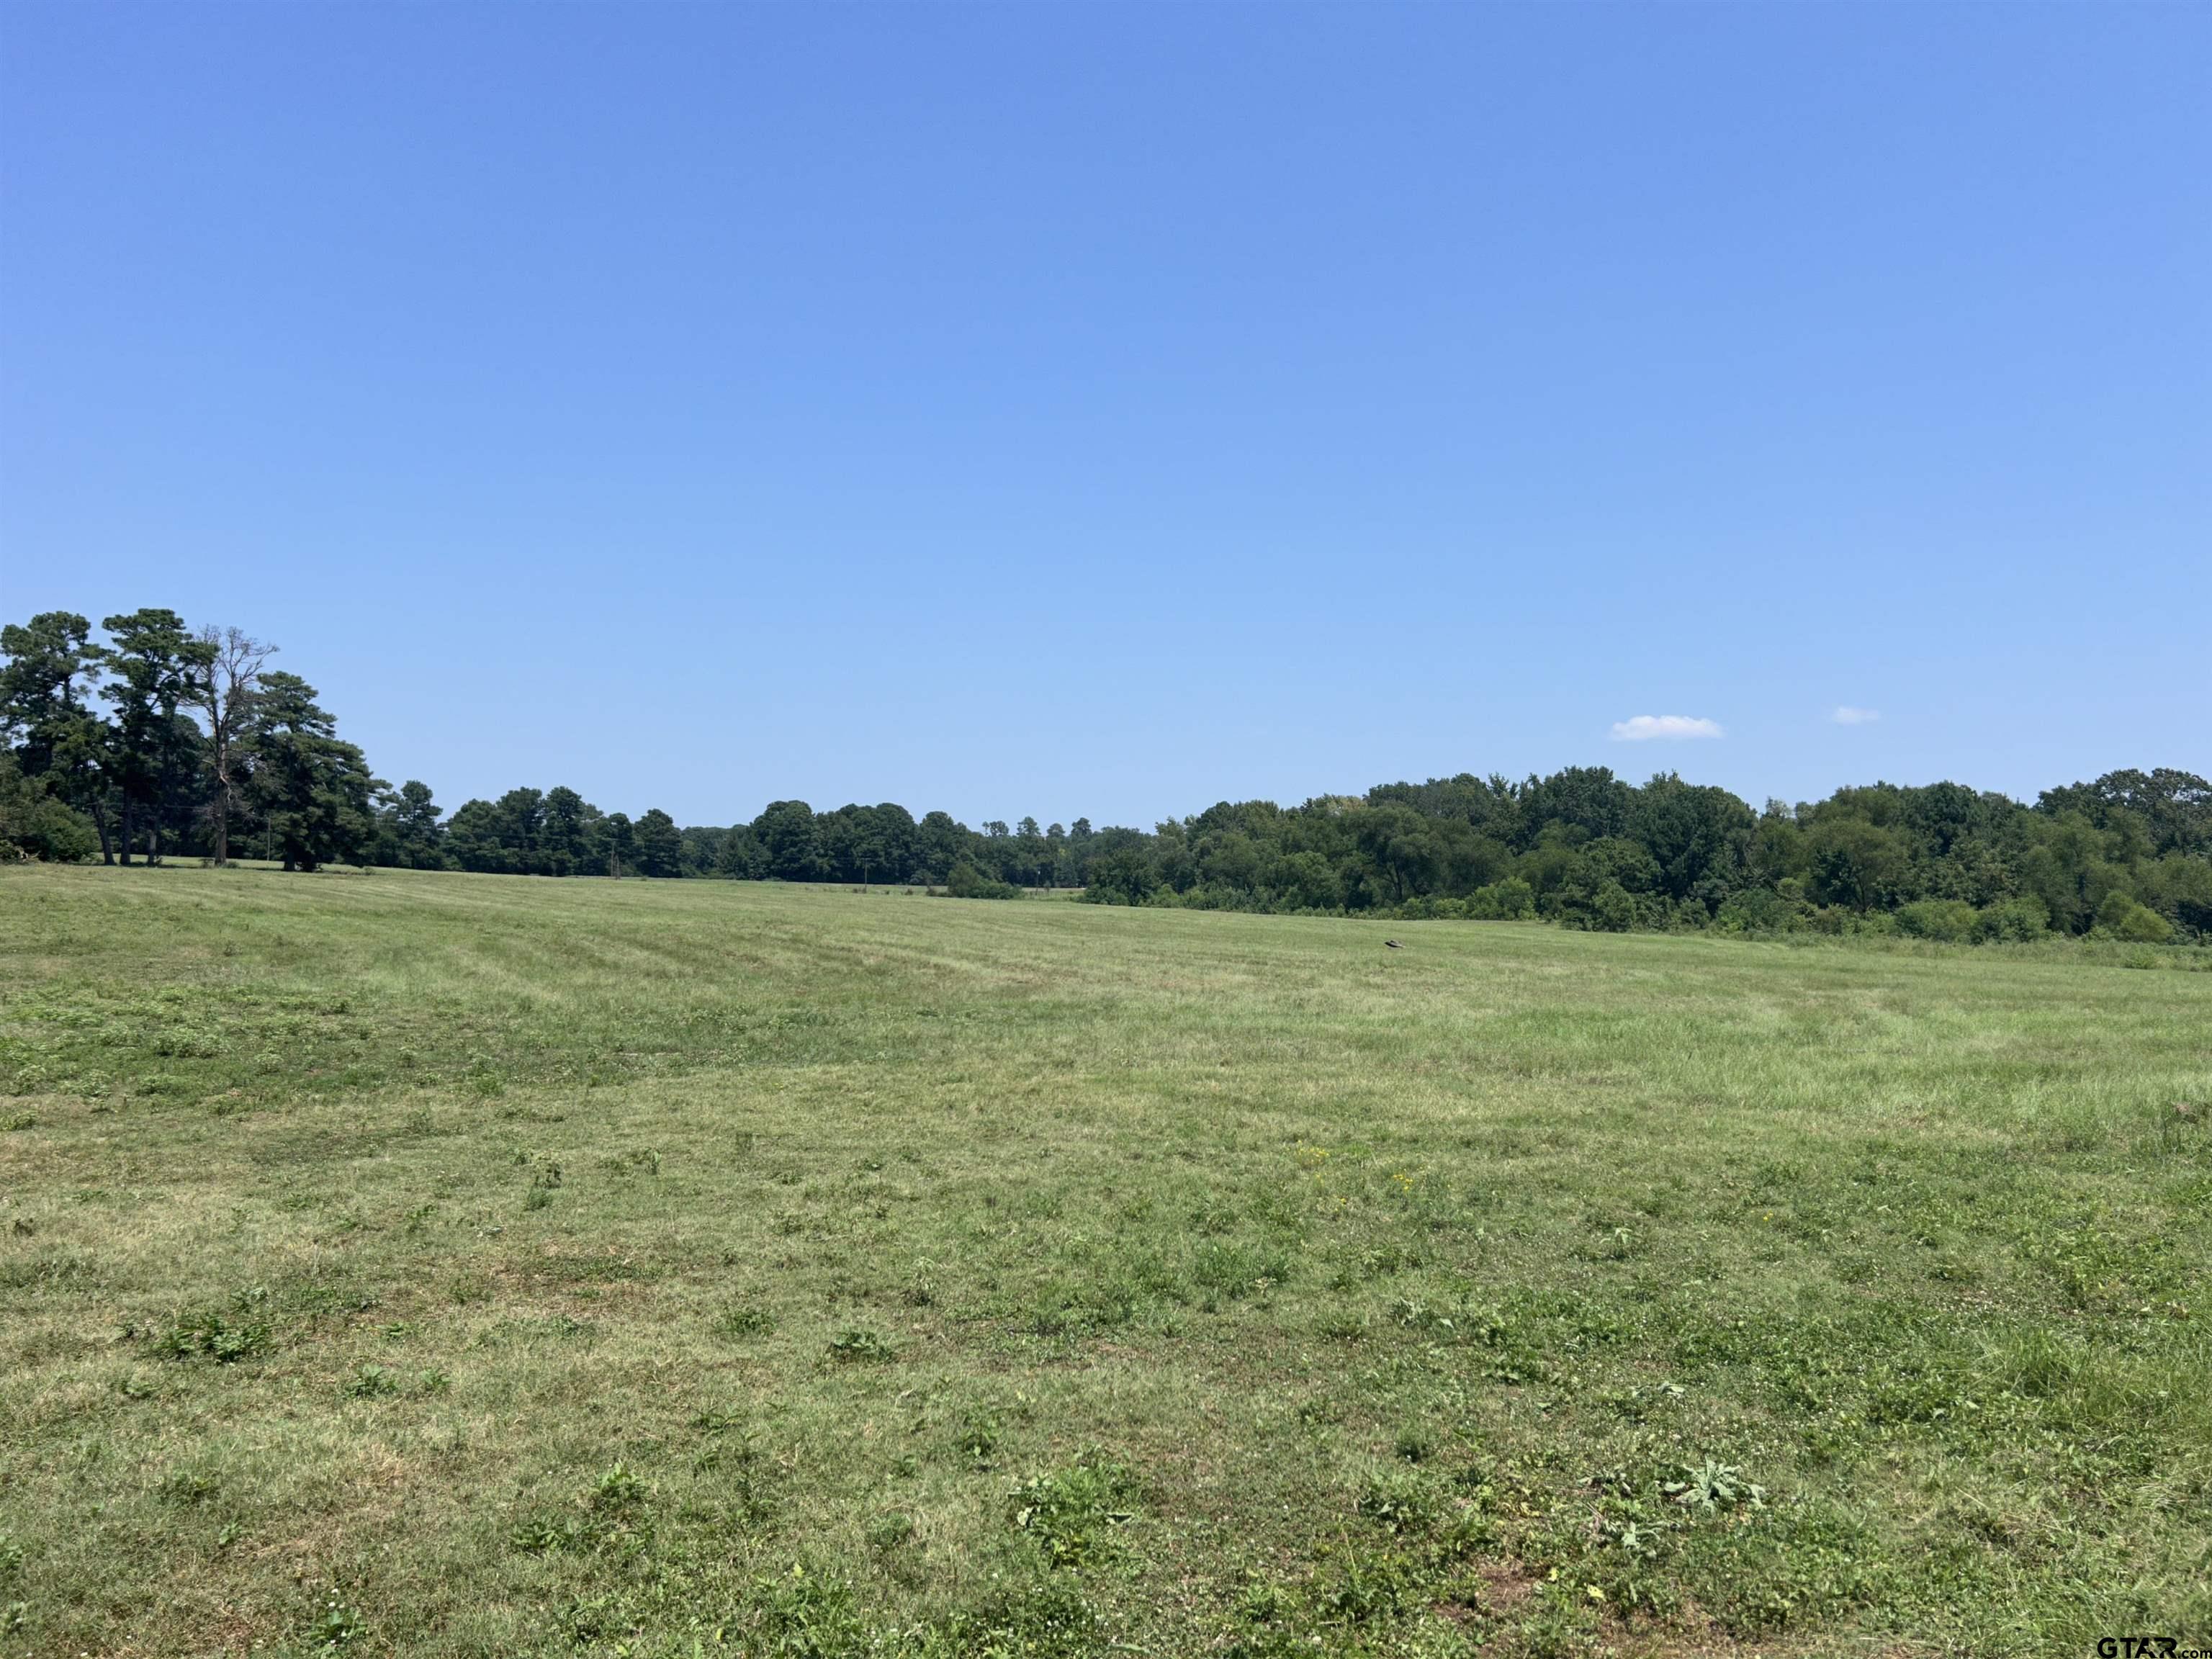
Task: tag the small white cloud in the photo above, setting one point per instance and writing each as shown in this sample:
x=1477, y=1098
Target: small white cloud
x=1848, y=715
x=1645, y=727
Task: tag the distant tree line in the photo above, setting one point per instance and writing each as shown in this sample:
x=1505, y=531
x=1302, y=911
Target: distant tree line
x=159, y=740
x=2128, y=856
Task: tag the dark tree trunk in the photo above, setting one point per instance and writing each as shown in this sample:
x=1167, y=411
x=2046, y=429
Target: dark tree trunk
x=128, y=826
x=166, y=811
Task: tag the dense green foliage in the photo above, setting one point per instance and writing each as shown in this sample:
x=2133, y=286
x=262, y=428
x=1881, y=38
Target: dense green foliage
x=151, y=780
x=450, y=1266
x=2128, y=856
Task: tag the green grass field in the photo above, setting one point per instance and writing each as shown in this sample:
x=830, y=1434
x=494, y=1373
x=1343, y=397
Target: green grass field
x=445, y=1265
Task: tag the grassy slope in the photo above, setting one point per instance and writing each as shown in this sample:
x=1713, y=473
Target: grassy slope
x=440, y=1264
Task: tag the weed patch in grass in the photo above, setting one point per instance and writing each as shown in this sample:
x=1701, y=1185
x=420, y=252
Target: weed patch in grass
x=1070, y=1514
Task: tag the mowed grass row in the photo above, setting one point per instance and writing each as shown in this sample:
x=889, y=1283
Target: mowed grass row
x=418, y=1264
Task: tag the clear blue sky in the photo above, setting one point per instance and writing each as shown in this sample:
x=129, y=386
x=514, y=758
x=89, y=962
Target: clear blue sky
x=1106, y=410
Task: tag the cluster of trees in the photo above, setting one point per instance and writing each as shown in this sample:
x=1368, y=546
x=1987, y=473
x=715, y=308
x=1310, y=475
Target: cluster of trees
x=162, y=740
x=165, y=740
x=526, y=832
x=2129, y=854
x=790, y=842
x=556, y=832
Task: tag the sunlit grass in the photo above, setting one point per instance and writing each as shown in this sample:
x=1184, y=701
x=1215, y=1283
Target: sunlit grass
x=438, y=1264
